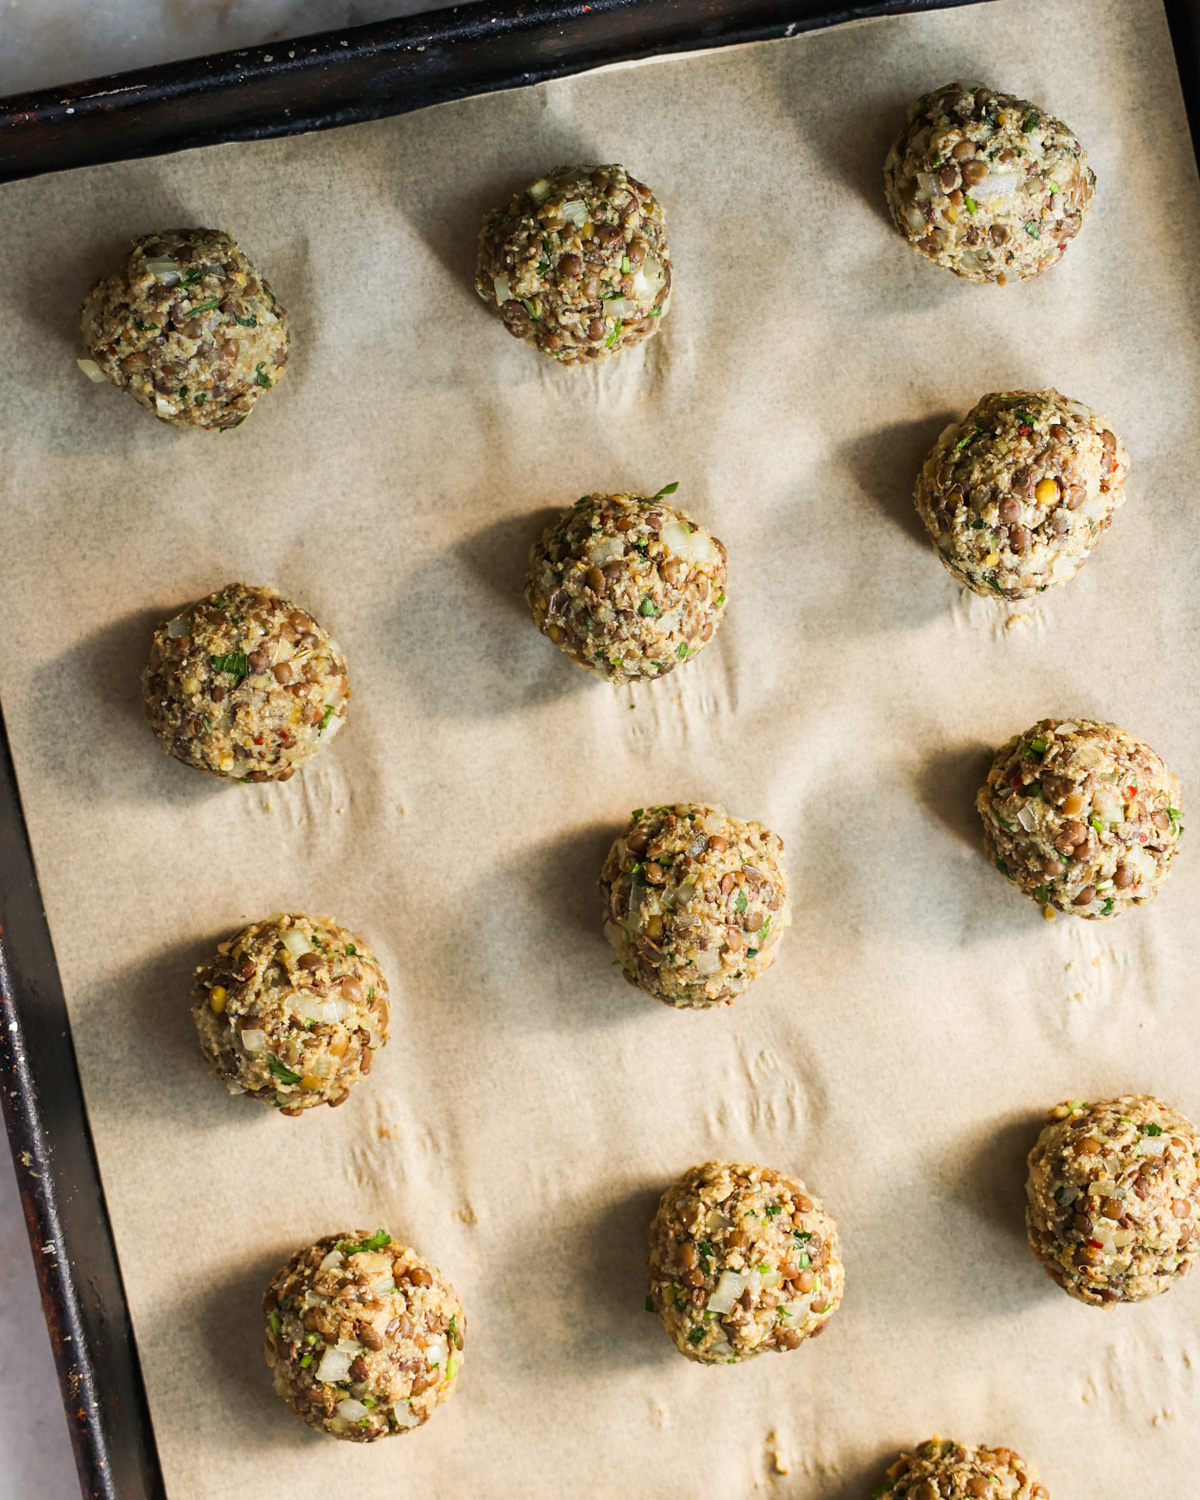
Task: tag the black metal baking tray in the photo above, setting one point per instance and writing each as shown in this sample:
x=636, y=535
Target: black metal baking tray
x=283, y=88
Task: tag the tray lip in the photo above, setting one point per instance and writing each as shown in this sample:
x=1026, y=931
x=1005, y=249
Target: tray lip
x=83, y=1297
x=384, y=68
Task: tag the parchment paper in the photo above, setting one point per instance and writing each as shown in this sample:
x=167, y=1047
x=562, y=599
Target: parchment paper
x=531, y=1106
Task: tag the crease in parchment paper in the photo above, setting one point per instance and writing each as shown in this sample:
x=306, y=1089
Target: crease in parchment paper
x=531, y=1106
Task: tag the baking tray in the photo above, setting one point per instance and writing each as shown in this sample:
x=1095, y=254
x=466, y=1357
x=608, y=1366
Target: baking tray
x=283, y=88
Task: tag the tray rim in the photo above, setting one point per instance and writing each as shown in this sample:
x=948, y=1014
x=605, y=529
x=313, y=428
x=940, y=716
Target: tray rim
x=345, y=76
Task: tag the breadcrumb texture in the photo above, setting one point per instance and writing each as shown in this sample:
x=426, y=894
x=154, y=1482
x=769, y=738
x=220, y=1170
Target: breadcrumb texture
x=1017, y=495
x=245, y=685
x=627, y=586
x=945, y=1470
x=364, y=1337
x=1081, y=816
x=291, y=1010
x=1114, y=1198
x=696, y=902
x=188, y=328
x=577, y=264
x=988, y=185
x=742, y=1259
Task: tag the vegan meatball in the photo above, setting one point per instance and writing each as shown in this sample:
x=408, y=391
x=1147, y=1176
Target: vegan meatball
x=742, y=1259
x=291, y=1010
x=695, y=902
x=986, y=184
x=577, y=264
x=245, y=685
x=627, y=585
x=1114, y=1198
x=1081, y=816
x=188, y=327
x=945, y=1470
x=1016, y=496
x=363, y=1336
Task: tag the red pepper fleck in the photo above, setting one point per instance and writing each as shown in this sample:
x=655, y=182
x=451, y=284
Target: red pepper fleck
x=1096, y=1244
x=1143, y=838
x=258, y=739
x=1131, y=791
x=1024, y=431
x=1016, y=779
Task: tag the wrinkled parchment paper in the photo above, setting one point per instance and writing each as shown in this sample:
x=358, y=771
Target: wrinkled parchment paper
x=531, y=1106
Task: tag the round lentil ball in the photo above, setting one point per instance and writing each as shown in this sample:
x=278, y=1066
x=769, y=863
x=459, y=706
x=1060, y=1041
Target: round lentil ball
x=945, y=1470
x=627, y=585
x=188, y=328
x=364, y=1337
x=291, y=1010
x=742, y=1259
x=1017, y=495
x=985, y=184
x=695, y=903
x=1114, y=1198
x=577, y=264
x=244, y=685
x=1081, y=816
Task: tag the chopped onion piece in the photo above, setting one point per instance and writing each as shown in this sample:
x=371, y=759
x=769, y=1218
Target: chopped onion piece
x=1027, y=818
x=335, y=1365
x=404, y=1415
x=334, y=1258
x=314, y=1299
x=622, y=307
x=995, y=185
x=606, y=551
x=254, y=1040
x=693, y=546
x=771, y=1279
x=383, y=1287
x=1142, y=862
x=436, y=1351
x=162, y=406
x=296, y=942
x=1066, y=729
x=540, y=190
x=352, y=1410
x=707, y=962
x=178, y=626
x=502, y=288
x=648, y=278
x=162, y=268
x=1153, y=1145
x=336, y=1010
x=325, y=1066
x=754, y=1282
x=730, y=1287
x=575, y=212
x=92, y=370
x=1107, y=806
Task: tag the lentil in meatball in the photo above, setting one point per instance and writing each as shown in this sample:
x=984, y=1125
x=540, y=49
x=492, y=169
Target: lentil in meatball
x=244, y=685
x=742, y=1259
x=695, y=903
x=290, y=1010
x=627, y=585
x=1114, y=1198
x=944, y=1470
x=985, y=184
x=1081, y=816
x=577, y=264
x=1016, y=496
x=188, y=327
x=363, y=1336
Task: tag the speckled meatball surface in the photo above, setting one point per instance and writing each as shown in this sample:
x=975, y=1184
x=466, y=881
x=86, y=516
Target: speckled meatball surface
x=695, y=903
x=627, y=585
x=1016, y=495
x=291, y=1010
x=945, y=1470
x=363, y=1336
x=742, y=1259
x=188, y=328
x=987, y=185
x=1081, y=816
x=245, y=685
x=1114, y=1198
x=577, y=264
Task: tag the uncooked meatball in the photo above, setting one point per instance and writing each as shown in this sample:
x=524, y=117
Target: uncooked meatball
x=627, y=585
x=695, y=903
x=188, y=327
x=945, y=1470
x=291, y=1011
x=1081, y=816
x=364, y=1337
x=1016, y=495
x=742, y=1259
x=1114, y=1198
x=245, y=685
x=986, y=184
x=577, y=264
